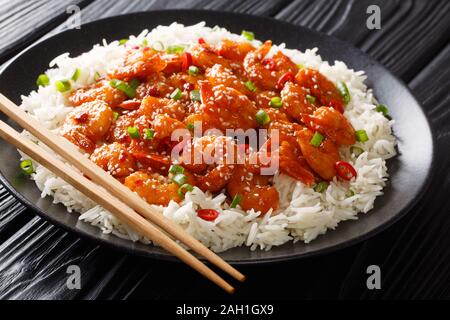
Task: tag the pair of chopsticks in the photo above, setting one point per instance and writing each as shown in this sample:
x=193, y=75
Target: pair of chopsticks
x=108, y=192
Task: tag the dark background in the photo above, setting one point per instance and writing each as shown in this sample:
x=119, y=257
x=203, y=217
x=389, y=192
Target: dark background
x=414, y=254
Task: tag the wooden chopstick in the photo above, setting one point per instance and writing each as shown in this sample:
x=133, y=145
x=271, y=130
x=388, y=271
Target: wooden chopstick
x=73, y=156
x=126, y=214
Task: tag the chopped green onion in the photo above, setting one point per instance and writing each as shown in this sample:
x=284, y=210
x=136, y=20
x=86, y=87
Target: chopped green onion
x=216, y=28
x=349, y=193
x=262, y=117
x=133, y=132
x=42, y=80
x=145, y=43
x=250, y=36
x=342, y=87
x=177, y=49
x=195, y=95
x=183, y=189
x=76, y=74
x=190, y=126
x=382, y=108
x=300, y=66
x=193, y=70
x=250, y=86
x=129, y=90
x=236, y=200
x=276, y=102
x=361, y=135
x=176, y=94
x=311, y=99
x=116, y=116
x=357, y=151
x=27, y=167
x=158, y=46
x=97, y=76
x=321, y=186
x=134, y=83
x=317, y=139
x=175, y=169
x=179, y=179
x=149, y=134
x=62, y=85
x=123, y=41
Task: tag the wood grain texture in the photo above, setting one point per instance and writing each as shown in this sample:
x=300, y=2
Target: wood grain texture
x=413, y=254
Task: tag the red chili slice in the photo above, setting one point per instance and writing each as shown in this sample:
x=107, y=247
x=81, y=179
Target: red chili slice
x=187, y=61
x=288, y=76
x=82, y=118
x=201, y=41
x=208, y=214
x=269, y=64
x=345, y=170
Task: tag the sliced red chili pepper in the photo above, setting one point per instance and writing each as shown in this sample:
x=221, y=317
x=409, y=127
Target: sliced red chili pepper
x=201, y=41
x=345, y=170
x=288, y=76
x=82, y=118
x=208, y=214
x=130, y=104
x=187, y=61
x=269, y=64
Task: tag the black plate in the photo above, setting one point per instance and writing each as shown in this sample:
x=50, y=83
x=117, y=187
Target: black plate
x=410, y=170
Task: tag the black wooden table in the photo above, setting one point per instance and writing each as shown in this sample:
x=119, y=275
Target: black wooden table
x=413, y=255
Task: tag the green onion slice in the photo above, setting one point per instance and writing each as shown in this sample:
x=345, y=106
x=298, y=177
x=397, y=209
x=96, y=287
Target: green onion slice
x=149, y=134
x=176, y=49
x=361, y=135
x=76, y=74
x=195, y=95
x=357, y=151
x=145, y=43
x=321, y=186
x=97, y=76
x=62, y=85
x=133, y=132
x=42, y=80
x=317, y=139
x=250, y=86
x=158, y=46
x=129, y=90
x=179, y=179
x=262, y=117
x=190, y=126
x=116, y=116
x=349, y=193
x=311, y=99
x=184, y=188
x=236, y=200
x=382, y=108
x=250, y=36
x=176, y=169
x=300, y=66
x=193, y=70
x=176, y=94
x=123, y=41
x=27, y=167
x=342, y=87
x=276, y=102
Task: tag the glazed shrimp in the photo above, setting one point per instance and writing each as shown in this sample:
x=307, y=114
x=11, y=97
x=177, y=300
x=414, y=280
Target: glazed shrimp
x=321, y=88
x=154, y=188
x=87, y=124
x=234, y=50
x=219, y=75
x=331, y=123
x=204, y=57
x=100, y=90
x=139, y=63
x=255, y=190
x=115, y=159
x=266, y=72
x=151, y=107
x=321, y=159
x=297, y=101
x=227, y=108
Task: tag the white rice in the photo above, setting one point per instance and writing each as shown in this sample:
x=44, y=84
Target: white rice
x=304, y=213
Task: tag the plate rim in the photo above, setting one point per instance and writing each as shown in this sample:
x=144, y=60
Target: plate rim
x=260, y=260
